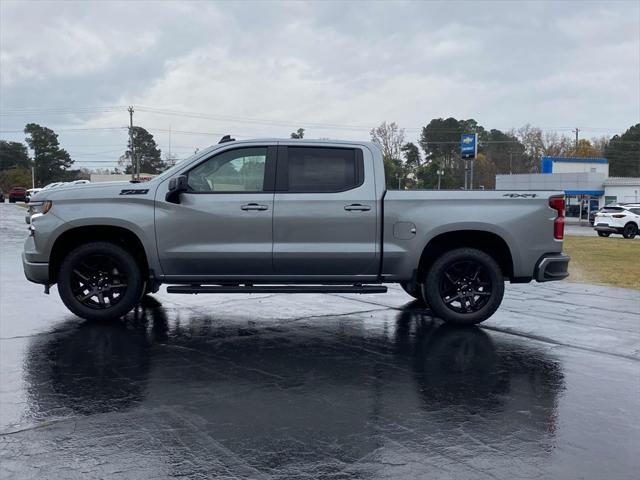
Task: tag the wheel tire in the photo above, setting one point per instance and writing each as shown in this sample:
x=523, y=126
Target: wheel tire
x=412, y=289
x=603, y=234
x=630, y=230
x=70, y=285
x=488, y=276
x=11, y=200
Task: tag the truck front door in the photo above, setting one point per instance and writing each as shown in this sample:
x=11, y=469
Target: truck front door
x=325, y=220
x=222, y=226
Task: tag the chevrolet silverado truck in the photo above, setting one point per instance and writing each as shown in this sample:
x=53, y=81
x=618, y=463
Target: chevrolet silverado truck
x=290, y=216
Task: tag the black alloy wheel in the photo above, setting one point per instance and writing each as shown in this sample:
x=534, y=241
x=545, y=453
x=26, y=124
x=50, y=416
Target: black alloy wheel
x=463, y=286
x=100, y=281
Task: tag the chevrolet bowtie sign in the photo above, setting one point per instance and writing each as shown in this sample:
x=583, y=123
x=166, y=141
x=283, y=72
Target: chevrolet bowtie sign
x=469, y=145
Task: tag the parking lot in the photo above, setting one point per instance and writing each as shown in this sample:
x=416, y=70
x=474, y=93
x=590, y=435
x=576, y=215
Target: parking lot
x=585, y=230
x=308, y=386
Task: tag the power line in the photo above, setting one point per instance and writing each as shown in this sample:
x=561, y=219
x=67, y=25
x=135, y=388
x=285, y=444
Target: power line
x=243, y=119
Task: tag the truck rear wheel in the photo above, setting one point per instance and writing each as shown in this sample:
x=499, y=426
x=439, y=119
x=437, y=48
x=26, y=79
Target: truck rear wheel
x=464, y=286
x=100, y=281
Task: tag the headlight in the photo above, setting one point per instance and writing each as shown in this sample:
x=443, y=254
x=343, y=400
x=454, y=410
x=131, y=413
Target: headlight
x=40, y=207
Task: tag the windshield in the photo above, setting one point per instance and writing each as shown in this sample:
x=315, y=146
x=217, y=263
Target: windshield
x=179, y=164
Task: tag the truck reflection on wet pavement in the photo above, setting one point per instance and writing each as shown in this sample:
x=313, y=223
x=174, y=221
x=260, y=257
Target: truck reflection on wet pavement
x=303, y=387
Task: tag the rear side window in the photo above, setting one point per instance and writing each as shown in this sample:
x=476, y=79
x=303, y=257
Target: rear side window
x=321, y=170
x=635, y=210
x=612, y=209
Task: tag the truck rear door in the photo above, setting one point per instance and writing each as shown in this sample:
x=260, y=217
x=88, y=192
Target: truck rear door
x=325, y=212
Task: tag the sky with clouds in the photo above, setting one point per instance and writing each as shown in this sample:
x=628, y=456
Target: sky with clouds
x=255, y=69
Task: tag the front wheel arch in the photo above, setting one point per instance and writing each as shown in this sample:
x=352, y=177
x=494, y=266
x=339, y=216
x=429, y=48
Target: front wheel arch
x=74, y=237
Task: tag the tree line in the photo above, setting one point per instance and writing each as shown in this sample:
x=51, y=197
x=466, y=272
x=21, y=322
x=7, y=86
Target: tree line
x=51, y=163
x=434, y=158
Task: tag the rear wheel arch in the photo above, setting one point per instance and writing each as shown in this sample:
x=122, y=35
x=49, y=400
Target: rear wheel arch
x=74, y=237
x=490, y=243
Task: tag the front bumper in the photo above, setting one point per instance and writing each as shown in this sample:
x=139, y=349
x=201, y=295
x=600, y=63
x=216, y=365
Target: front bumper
x=552, y=267
x=35, y=272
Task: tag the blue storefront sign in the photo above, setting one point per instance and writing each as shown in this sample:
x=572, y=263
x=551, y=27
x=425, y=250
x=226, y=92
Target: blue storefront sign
x=469, y=145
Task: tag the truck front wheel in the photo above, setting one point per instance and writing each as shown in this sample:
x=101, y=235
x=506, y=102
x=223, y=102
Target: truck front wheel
x=464, y=286
x=100, y=281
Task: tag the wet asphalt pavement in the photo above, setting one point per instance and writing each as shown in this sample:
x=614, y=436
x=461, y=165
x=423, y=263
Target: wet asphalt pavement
x=313, y=386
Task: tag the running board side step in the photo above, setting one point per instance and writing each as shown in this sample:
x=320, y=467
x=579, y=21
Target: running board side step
x=277, y=289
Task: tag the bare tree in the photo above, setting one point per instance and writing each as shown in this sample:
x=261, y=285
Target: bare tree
x=538, y=143
x=600, y=144
x=390, y=137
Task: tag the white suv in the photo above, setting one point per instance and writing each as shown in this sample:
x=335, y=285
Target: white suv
x=623, y=219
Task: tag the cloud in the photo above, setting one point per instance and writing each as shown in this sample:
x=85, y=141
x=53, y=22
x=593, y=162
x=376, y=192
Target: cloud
x=64, y=46
x=322, y=64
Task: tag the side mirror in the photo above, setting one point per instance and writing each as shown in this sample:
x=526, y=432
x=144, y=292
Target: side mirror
x=177, y=185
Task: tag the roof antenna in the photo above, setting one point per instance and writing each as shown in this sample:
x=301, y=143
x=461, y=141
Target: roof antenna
x=226, y=138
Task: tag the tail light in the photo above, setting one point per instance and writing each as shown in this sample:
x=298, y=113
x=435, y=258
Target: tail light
x=557, y=203
x=619, y=215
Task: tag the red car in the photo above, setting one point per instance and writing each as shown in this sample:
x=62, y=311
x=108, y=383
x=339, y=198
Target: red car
x=17, y=194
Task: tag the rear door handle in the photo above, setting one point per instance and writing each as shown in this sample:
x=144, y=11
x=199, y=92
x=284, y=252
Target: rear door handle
x=254, y=206
x=356, y=207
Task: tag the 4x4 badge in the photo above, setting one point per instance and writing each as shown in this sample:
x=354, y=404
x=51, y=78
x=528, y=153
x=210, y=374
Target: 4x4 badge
x=520, y=195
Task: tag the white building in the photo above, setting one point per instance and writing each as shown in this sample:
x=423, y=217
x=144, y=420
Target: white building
x=622, y=190
x=584, y=180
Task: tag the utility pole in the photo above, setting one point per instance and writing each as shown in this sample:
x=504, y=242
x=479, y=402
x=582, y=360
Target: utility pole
x=440, y=173
x=510, y=160
x=135, y=167
x=466, y=175
x=33, y=177
x=577, y=130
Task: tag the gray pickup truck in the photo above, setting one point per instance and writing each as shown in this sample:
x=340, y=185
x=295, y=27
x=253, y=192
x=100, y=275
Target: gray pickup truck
x=290, y=216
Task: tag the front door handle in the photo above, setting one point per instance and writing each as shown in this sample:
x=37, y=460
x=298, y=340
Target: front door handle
x=356, y=207
x=254, y=206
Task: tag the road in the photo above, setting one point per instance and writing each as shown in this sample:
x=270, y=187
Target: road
x=312, y=386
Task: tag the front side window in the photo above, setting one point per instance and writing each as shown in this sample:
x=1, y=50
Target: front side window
x=241, y=170
x=321, y=169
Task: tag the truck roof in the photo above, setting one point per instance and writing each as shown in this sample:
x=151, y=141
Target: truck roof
x=303, y=141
